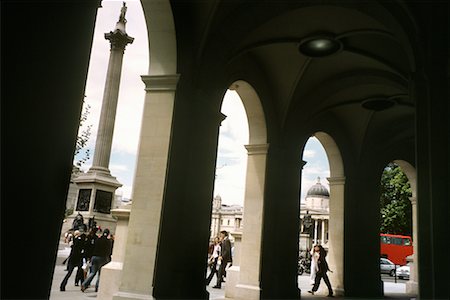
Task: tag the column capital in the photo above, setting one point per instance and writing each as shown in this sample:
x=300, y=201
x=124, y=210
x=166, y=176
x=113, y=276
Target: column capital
x=257, y=149
x=336, y=180
x=160, y=82
x=118, y=39
x=413, y=200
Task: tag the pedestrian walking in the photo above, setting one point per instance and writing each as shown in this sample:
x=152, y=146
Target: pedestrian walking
x=322, y=272
x=74, y=260
x=100, y=257
x=314, y=267
x=212, y=263
x=224, y=258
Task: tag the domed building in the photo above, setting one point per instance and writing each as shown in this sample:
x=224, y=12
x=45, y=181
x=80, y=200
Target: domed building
x=316, y=207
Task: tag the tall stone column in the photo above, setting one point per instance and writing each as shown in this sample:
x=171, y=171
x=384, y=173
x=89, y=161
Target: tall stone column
x=412, y=286
x=336, y=234
x=249, y=285
x=145, y=217
x=97, y=187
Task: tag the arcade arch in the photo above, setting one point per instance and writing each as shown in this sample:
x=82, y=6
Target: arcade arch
x=336, y=216
x=244, y=279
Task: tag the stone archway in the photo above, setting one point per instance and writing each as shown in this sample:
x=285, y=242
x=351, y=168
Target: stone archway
x=336, y=221
x=412, y=286
x=244, y=278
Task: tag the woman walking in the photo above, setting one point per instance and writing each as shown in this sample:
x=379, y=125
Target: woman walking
x=75, y=260
x=322, y=270
x=213, y=260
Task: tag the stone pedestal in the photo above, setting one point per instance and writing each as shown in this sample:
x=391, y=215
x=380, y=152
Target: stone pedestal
x=304, y=242
x=112, y=272
x=233, y=271
x=96, y=194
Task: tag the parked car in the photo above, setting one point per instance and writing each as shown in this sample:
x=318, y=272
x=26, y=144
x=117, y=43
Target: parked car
x=403, y=271
x=387, y=266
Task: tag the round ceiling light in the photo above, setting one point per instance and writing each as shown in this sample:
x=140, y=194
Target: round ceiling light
x=319, y=46
x=378, y=104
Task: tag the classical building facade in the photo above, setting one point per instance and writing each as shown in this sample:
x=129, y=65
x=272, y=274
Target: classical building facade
x=316, y=205
x=225, y=217
x=369, y=79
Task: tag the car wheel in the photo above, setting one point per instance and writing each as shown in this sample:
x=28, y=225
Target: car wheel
x=392, y=273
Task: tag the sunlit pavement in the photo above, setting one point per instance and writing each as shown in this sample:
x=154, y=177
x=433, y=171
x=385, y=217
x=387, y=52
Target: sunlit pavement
x=392, y=290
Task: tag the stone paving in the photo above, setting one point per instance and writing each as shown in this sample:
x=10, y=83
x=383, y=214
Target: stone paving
x=392, y=290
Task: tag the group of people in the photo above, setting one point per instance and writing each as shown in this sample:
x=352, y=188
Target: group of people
x=319, y=269
x=89, y=253
x=220, y=257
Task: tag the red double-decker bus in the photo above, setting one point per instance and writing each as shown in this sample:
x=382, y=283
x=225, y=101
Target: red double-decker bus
x=396, y=247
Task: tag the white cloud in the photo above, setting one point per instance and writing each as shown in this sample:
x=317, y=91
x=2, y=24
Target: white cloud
x=309, y=154
x=118, y=168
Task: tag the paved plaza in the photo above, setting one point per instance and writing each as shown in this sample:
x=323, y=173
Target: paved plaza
x=392, y=290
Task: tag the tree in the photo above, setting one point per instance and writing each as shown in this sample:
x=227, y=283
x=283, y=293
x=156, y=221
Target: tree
x=396, y=212
x=83, y=138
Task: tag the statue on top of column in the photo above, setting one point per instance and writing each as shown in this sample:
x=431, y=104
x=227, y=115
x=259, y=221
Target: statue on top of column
x=123, y=11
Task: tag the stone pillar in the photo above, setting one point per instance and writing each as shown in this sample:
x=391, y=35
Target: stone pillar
x=249, y=286
x=97, y=187
x=336, y=234
x=322, y=221
x=316, y=223
x=412, y=286
x=112, y=272
x=279, y=278
x=118, y=39
x=139, y=262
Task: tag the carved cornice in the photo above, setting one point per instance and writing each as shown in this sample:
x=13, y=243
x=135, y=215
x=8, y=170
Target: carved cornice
x=257, y=149
x=336, y=180
x=160, y=82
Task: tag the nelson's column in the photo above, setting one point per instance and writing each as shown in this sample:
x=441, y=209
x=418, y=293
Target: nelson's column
x=96, y=187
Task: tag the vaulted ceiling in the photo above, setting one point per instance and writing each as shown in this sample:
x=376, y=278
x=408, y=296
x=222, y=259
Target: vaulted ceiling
x=375, y=62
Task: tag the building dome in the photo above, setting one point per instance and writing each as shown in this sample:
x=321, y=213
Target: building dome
x=318, y=190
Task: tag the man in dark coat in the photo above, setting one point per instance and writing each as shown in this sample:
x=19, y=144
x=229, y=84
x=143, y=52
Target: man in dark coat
x=100, y=257
x=224, y=258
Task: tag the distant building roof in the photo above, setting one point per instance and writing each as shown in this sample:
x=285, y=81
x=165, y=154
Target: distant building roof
x=318, y=190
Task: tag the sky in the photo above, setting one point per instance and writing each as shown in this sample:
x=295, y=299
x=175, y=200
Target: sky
x=232, y=155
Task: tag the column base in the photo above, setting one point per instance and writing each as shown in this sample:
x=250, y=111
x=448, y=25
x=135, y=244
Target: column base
x=131, y=296
x=247, y=292
x=110, y=281
x=232, y=281
x=339, y=292
x=412, y=288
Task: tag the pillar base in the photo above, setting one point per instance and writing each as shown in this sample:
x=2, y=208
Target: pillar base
x=131, y=296
x=232, y=281
x=110, y=280
x=412, y=288
x=339, y=292
x=247, y=292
